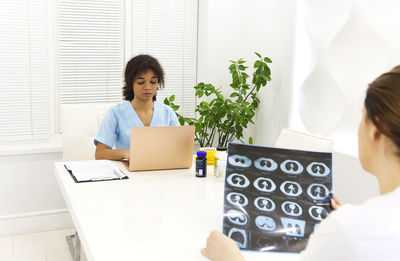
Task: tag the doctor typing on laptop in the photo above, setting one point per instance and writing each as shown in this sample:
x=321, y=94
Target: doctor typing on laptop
x=143, y=77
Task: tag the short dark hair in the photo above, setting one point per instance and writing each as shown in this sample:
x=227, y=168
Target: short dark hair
x=137, y=65
x=382, y=104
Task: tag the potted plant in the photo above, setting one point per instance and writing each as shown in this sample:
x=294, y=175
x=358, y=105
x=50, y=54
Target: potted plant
x=225, y=118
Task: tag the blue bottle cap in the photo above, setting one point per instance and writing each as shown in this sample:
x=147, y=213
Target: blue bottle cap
x=201, y=153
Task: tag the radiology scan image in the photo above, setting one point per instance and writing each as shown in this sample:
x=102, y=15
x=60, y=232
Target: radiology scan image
x=274, y=198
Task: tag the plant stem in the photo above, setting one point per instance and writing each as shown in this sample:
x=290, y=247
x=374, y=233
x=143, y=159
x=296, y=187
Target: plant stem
x=249, y=93
x=205, y=137
x=232, y=137
x=197, y=137
x=220, y=144
x=211, y=137
x=225, y=139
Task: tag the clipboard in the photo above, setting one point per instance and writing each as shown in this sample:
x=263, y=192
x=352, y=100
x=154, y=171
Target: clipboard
x=92, y=171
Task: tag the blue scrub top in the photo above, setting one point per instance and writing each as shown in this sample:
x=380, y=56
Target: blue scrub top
x=115, y=129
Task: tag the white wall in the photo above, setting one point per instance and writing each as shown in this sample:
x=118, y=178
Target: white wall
x=23, y=178
x=230, y=30
x=30, y=199
x=340, y=47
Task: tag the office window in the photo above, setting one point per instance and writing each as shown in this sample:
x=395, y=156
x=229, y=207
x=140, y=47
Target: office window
x=24, y=70
x=90, y=50
x=168, y=30
x=92, y=42
x=97, y=38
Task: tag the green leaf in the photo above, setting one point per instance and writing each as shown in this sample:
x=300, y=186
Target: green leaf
x=267, y=60
x=264, y=77
x=263, y=82
x=267, y=71
x=255, y=78
x=257, y=64
x=166, y=101
x=181, y=121
x=172, y=98
x=259, y=55
x=189, y=121
x=234, y=94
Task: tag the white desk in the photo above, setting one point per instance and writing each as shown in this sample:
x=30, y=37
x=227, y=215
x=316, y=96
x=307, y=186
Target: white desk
x=154, y=215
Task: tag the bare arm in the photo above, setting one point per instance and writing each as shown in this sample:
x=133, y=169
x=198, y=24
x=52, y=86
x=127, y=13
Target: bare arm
x=105, y=152
x=221, y=248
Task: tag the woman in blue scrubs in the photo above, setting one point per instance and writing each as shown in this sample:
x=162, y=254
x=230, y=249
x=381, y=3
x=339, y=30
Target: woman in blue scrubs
x=143, y=77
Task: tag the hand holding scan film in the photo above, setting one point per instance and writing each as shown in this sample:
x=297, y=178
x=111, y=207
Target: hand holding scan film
x=274, y=198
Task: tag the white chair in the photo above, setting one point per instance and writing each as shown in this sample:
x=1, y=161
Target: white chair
x=79, y=124
x=297, y=140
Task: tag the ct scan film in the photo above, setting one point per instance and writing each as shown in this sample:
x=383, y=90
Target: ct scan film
x=274, y=198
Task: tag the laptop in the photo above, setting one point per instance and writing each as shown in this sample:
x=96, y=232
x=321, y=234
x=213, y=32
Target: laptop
x=164, y=147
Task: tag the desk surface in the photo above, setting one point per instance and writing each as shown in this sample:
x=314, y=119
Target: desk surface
x=154, y=215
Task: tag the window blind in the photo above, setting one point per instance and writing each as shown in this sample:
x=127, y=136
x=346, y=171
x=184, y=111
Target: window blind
x=167, y=30
x=90, y=50
x=24, y=67
x=92, y=40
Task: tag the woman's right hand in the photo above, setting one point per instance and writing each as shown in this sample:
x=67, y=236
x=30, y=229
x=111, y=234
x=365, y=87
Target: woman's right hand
x=221, y=248
x=105, y=152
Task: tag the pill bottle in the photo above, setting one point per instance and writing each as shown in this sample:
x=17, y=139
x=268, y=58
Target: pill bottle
x=210, y=154
x=201, y=164
x=220, y=163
